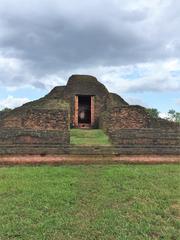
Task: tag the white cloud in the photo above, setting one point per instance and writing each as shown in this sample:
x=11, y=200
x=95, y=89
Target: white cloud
x=14, y=74
x=12, y=102
x=40, y=38
x=155, y=77
x=178, y=102
x=130, y=46
x=136, y=101
x=163, y=115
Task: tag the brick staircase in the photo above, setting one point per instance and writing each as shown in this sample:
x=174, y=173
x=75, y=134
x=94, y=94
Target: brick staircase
x=53, y=149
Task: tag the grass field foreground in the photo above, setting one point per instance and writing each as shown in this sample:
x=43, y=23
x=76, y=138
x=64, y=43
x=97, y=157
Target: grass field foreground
x=90, y=202
x=89, y=137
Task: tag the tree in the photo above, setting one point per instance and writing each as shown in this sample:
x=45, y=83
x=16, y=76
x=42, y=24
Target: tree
x=173, y=115
x=4, y=111
x=177, y=119
x=153, y=112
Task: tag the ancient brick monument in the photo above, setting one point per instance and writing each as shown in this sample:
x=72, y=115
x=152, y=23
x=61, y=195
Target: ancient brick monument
x=86, y=103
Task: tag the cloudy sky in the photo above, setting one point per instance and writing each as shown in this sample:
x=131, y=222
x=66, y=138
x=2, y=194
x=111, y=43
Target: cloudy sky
x=133, y=47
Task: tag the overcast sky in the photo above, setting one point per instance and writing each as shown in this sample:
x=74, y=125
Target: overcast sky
x=133, y=47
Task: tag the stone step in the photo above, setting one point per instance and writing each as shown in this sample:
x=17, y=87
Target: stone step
x=39, y=149
x=60, y=146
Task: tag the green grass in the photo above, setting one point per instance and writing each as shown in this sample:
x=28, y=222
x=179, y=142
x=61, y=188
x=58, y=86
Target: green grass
x=88, y=137
x=118, y=202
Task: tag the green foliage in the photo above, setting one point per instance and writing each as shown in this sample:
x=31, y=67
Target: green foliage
x=5, y=110
x=124, y=202
x=153, y=112
x=88, y=137
x=173, y=115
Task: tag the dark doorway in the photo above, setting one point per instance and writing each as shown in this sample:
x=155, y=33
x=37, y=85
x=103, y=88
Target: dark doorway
x=84, y=109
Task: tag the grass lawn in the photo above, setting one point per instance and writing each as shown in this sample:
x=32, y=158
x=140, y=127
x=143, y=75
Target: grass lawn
x=130, y=202
x=88, y=137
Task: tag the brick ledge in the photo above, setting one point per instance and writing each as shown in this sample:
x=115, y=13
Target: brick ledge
x=79, y=159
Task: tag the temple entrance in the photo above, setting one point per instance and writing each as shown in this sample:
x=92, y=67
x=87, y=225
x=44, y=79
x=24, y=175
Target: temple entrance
x=84, y=111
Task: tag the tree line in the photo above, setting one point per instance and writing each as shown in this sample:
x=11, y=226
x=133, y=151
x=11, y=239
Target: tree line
x=172, y=115
x=3, y=111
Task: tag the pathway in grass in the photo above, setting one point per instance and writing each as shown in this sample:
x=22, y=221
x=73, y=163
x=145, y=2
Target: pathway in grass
x=89, y=137
x=121, y=202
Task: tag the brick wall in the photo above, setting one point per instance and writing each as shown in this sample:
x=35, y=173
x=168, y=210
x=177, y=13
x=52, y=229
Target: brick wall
x=20, y=136
x=164, y=124
x=124, y=117
x=35, y=126
x=86, y=85
x=37, y=119
x=131, y=126
x=132, y=117
x=149, y=136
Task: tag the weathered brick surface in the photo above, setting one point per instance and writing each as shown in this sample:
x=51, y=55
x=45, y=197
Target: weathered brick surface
x=151, y=137
x=86, y=85
x=164, y=124
x=149, y=141
x=132, y=117
x=31, y=137
x=47, y=121
x=35, y=126
x=37, y=119
x=124, y=117
x=131, y=126
x=59, y=149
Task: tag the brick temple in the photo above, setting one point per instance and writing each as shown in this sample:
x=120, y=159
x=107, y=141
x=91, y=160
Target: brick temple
x=86, y=103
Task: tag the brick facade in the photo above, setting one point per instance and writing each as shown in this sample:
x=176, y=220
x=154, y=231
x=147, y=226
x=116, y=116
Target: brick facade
x=39, y=122
x=86, y=85
x=146, y=137
x=37, y=119
x=22, y=136
x=124, y=117
x=48, y=120
x=132, y=117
